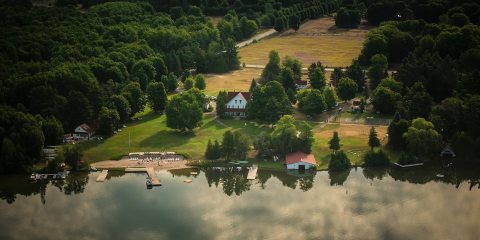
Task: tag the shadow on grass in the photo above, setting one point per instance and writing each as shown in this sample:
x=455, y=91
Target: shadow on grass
x=165, y=139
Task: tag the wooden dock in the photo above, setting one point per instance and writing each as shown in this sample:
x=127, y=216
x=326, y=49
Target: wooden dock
x=135, y=169
x=252, y=172
x=153, y=177
x=102, y=176
x=408, y=165
x=150, y=172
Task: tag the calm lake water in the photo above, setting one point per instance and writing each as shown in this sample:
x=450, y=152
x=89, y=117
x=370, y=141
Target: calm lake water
x=360, y=204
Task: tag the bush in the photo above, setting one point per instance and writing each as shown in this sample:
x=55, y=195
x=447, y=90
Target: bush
x=339, y=161
x=376, y=159
x=407, y=158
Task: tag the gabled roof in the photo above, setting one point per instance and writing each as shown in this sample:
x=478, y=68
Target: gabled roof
x=86, y=128
x=300, y=157
x=231, y=95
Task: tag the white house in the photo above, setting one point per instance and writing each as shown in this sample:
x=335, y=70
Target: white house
x=236, y=104
x=301, y=84
x=300, y=161
x=83, y=132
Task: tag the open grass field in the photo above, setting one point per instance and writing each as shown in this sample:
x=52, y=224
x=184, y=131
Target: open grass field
x=235, y=80
x=152, y=134
x=353, y=140
x=315, y=40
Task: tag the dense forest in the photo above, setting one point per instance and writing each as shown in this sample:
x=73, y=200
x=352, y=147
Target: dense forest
x=433, y=51
x=100, y=62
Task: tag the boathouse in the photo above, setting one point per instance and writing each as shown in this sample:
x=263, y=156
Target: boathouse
x=300, y=161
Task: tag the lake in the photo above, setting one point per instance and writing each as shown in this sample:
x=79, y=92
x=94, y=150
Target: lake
x=222, y=204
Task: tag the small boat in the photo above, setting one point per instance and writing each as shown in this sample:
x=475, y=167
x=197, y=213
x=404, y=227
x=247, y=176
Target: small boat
x=93, y=169
x=440, y=175
x=193, y=173
x=149, y=183
x=187, y=180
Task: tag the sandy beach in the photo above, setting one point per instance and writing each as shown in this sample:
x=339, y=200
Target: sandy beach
x=127, y=163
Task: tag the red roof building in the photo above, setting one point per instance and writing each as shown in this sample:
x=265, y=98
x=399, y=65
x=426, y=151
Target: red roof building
x=300, y=160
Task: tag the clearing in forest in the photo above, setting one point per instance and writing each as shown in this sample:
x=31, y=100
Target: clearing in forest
x=317, y=39
x=238, y=80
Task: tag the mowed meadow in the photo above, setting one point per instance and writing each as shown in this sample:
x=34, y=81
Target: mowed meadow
x=316, y=40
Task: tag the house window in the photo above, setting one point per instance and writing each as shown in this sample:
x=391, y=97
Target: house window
x=235, y=101
x=240, y=101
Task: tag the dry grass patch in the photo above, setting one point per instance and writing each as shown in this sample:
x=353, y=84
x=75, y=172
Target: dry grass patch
x=215, y=19
x=316, y=40
x=235, y=80
x=353, y=140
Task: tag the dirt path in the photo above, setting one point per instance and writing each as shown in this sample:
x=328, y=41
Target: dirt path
x=256, y=38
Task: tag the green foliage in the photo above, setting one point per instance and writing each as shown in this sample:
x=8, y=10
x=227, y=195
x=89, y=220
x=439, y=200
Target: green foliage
x=378, y=69
x=172, y=83
x=385, y=100
x=347, y=18
x=188, y=83
x=339, y=161
x=317, y=79
x=396, y=129
x=253, y=85
x=157, y=96
x=221, y=103
x=228, y=145
x=354, y=72
x=334, y=143
x=272, y=69
x=287, y=79
x=346, y=89
x=289, y=137
x=120, y=103
x=376, y=159
x=22, y=140
x=295, y=65
x=135, y=97
x=108, y=121
x=422, y=140
x=336, y=75
x=269, y=102
x=72, y=154
x=52, y=131
x=330, y=97
x=184, y=111
x=311, y=101
x=200, y=82
x=373, y=140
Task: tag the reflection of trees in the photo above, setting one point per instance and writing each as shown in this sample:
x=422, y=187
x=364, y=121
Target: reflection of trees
x=75, y=183
x=306, y=183
x=372, y=173
x=233, y=180
x=10, y=186
x=453, y=175
x=338, y=177
x=183, y=172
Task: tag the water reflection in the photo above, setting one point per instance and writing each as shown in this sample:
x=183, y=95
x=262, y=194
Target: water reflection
x=222, y=204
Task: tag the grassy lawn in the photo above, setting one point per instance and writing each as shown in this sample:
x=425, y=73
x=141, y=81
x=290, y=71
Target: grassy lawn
x=353, y=140
x=315, y=40
x=235, y=80
x=152, y=134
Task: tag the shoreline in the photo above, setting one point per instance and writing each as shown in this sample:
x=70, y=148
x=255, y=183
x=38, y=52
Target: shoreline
x=125, y=163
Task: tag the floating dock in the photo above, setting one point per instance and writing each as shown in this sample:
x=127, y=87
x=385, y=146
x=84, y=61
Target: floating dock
x=252, y=172
x=102, y=176
x=135, y=170
x=408, y=165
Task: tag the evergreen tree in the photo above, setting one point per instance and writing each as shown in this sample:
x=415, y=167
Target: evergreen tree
x=221, y=103
x=200, y=82
x=373, y=140
x=217, y=149
x=334, y=143
x=330, y=97
x=317, y=79
x=337, y=74
x=172, y=82
x=253, y=85
x=272, y=69
x=210, y=152
x=188, y=84
x=228, y=145
x=287, y=79
x=378, y=70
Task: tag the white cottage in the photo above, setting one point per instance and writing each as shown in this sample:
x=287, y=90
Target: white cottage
x=236, y=104
x=300, y=161
x=83, y=132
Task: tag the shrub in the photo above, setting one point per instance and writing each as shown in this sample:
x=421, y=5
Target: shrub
x=338, y=161
x=376, y=159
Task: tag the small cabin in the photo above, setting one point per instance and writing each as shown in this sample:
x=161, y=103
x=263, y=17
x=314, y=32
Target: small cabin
x=447, y=151
x=300, y=161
